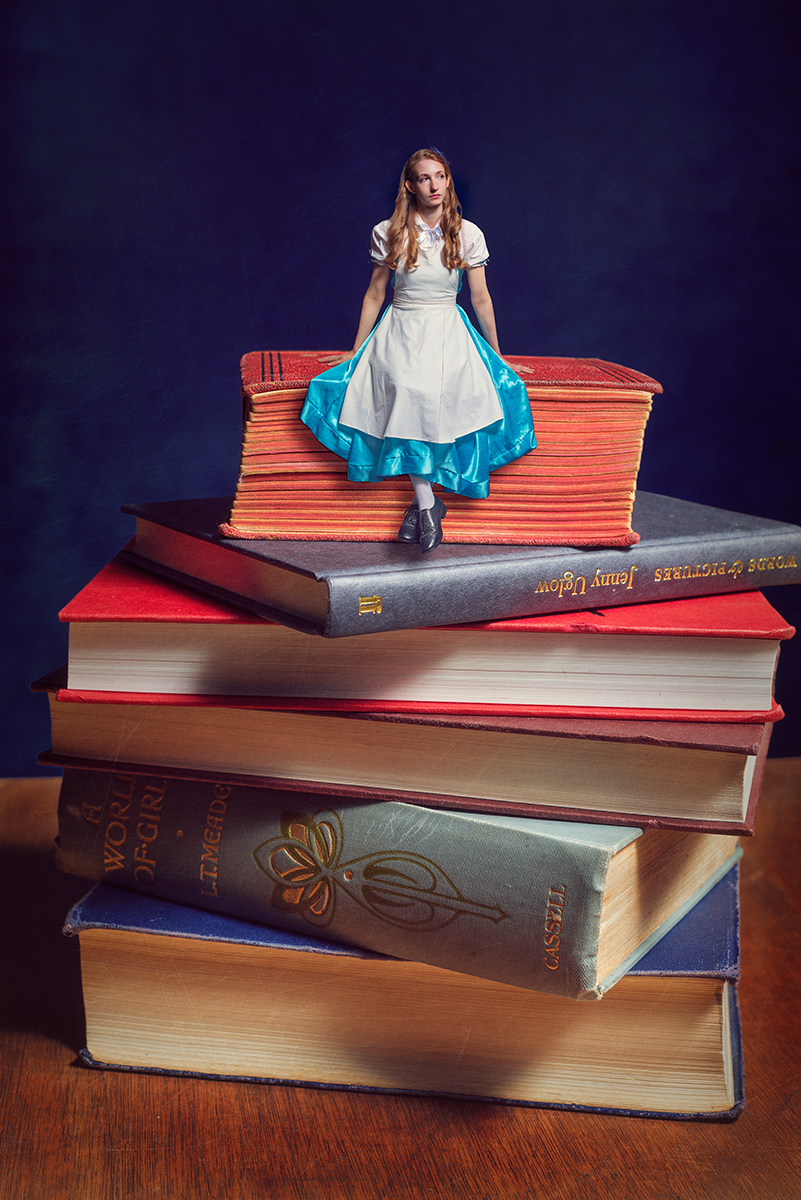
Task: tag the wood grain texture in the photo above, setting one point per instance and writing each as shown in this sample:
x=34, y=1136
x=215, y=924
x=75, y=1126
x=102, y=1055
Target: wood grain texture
x=75, y=1134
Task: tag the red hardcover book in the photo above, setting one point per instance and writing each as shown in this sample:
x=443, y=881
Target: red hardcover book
x=707, y=658
x=699, y=775
x=577, y=488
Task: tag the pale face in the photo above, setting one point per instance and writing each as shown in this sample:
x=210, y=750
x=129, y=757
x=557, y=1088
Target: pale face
x=430, y=186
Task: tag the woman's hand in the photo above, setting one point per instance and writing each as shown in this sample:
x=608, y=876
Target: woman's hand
x=519, y=368
x=333, y=360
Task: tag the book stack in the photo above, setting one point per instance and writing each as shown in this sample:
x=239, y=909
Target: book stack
x=479, y=839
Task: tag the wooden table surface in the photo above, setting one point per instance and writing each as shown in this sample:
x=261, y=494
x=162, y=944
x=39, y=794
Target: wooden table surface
x=70, y=1133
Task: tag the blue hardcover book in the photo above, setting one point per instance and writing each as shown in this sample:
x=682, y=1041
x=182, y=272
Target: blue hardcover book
x=176, y=990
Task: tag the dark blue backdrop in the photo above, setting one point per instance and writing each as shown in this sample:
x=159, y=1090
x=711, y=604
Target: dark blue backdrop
x=191, y=180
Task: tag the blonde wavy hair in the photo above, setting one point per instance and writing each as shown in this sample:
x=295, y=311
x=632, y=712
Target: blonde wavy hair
x=402, y=232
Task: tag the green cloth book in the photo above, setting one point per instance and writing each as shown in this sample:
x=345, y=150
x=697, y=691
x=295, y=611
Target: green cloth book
x=556, y=907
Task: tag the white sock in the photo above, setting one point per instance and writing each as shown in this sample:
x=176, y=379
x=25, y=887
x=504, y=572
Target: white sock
x=423, y=491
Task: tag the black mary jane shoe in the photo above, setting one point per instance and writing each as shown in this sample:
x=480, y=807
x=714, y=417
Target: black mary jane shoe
x=430, y=525
x=409, y=529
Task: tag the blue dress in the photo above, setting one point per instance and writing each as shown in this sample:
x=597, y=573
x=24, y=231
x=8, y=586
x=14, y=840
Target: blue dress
x=425, y=394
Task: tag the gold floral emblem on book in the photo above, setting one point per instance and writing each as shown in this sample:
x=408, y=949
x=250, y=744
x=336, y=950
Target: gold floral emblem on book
x=401, y=888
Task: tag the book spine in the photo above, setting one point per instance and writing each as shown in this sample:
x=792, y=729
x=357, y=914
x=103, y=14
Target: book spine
x=513, y=900
x=563, y=582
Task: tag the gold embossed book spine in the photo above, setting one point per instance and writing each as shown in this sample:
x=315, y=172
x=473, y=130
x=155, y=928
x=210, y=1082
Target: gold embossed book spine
x=541, y=905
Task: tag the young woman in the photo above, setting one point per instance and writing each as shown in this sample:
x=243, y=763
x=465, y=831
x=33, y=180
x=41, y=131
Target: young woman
x=422, y=393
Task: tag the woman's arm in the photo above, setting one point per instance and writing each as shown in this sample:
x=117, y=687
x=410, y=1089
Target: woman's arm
x=371, y=307
x=482, y=306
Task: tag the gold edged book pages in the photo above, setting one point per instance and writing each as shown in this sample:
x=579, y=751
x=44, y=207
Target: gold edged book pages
x=577, y=488
x=173, y=990
x=187, y=1006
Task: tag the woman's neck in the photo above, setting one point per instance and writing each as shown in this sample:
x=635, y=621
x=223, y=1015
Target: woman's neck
x=430, y=216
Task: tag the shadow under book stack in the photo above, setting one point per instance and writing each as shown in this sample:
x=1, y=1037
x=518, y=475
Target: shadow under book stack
x=494, y=858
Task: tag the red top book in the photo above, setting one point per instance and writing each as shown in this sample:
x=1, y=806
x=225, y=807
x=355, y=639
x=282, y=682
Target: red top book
x=577, y=488
x=272, y=370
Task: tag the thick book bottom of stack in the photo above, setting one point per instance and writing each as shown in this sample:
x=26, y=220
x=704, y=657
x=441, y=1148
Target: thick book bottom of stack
x=171, y=989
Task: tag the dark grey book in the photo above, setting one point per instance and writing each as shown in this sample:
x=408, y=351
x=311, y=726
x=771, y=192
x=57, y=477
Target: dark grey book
x=339, y=589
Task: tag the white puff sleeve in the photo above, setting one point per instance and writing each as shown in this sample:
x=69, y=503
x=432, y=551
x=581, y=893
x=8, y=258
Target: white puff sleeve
x=474, y=245
x=379, y=246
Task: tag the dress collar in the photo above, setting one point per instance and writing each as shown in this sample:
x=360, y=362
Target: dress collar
x=426, y=236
